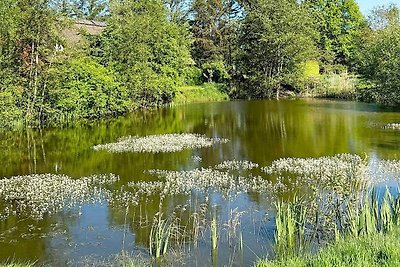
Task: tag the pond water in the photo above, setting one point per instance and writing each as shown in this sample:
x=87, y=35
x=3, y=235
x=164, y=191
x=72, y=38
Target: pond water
x=258, y=131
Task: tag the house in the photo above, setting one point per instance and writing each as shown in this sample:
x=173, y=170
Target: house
x=74, y=35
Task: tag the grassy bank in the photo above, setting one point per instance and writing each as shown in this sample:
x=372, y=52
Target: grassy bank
x=372, y=250
x=341, y=86
x=208, y=92
x=365, y=234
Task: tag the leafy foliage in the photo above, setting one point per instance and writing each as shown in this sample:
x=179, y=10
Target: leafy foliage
x=214, y=25
x=82, y=88
x=379, y=59
x=339, y=23
x=82, y=9
x=152, y=65
x=274, y=38
x=25, y=54
x=257, y=49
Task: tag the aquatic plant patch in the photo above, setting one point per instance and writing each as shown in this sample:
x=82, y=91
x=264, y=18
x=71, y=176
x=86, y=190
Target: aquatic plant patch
x=236, y=165
x=164, y=143
x=341, y=173
x=203, y=179
x=338, y=170
x=381, y=171
x=39, y=194
x=392, y=126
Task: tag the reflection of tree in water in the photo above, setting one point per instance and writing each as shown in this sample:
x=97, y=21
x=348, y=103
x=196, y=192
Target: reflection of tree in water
x=260, y=131
x=178, y=209
x=31, y=240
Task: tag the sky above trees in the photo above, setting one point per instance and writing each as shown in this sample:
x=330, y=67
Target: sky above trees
x=367, y=5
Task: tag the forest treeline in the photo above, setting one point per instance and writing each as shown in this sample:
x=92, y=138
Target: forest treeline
x=151, y=48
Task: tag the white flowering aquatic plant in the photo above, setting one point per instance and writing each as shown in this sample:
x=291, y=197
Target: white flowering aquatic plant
x=39, y=194
x=236, y=165
x=382, y=171
x=392, y=126
x=201, y=180
x=164, y=143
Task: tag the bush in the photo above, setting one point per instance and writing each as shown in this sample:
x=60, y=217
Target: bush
x=149, y=89
x=380, y=62
x=10, y=114
x=193, y=76
x=215, y=72
x=305, y=77
x=82, y=88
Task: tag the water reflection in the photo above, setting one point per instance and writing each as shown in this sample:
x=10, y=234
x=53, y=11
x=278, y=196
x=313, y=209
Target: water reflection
x=259, y=131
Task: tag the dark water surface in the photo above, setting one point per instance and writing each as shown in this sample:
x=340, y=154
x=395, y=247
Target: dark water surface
x=259, y=131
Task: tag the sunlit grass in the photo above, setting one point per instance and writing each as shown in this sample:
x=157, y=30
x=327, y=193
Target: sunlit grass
x=17, y=264
x=209, y=92
x=371, y=218
x=371, y=250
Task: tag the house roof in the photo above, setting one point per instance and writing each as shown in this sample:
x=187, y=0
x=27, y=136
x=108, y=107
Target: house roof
x=73, y=35
x=91, y=23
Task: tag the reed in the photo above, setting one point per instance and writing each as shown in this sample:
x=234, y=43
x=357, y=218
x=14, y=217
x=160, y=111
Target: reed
x=290, y=228
x=214, y=230
x=160, y=234
x=371, y=217
x=17, y=264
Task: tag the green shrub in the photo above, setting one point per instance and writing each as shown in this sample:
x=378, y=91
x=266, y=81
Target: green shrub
x=147, y=88
x=193, y=76
x=215, y=72
x=10, y=113
x=305, y=77
x=82, y=88
x=208, y=92
x=310, y=69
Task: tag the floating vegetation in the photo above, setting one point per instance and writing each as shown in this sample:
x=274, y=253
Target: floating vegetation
x=160, y=143
x=236, y=165
x=332, y=185
x=385, y=169
x=197, y=158
x=340, y=172
x=203, y=179
x=392, y=126
x=39, y=194
x=341, y=164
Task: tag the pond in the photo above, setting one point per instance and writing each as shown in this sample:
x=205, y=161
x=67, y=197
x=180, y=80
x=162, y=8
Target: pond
x=257, y=133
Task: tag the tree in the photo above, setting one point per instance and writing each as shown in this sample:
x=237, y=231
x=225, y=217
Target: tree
x=379, y=54
x=340, y=23
x=89, y=9
x=383, y=16
x=26, y=51
x=178, y=10
x=81, y=9
x=149, y=51
x=214, y=27
x=275, y=37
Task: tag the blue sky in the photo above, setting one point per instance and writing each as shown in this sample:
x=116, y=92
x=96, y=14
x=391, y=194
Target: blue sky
x=367, y=5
